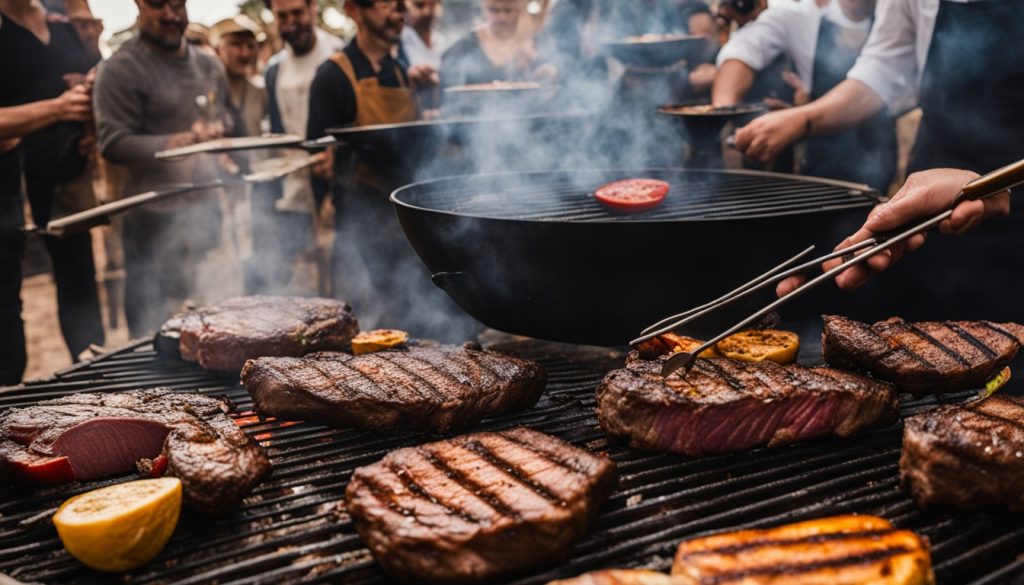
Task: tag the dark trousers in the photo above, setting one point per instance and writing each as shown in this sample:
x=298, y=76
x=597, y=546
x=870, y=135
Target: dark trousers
x=12, y=331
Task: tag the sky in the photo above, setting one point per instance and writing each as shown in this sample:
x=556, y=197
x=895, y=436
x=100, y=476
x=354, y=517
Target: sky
x=120, y=14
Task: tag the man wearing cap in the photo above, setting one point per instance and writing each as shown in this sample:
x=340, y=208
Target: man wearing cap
x=235, y=39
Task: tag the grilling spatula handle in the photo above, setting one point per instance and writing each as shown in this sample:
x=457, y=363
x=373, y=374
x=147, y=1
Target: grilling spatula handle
x=997, y=181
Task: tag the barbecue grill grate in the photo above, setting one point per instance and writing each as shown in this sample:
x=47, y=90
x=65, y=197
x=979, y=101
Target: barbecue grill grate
x=291, y=528
x=694, y=195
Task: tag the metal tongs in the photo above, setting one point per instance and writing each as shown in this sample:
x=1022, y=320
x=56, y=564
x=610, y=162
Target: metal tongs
x=995, y=182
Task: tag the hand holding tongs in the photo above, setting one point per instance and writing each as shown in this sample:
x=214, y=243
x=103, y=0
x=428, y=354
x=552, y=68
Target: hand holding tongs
x=985, y=186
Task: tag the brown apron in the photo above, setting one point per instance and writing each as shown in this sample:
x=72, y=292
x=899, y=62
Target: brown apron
x=376, y=105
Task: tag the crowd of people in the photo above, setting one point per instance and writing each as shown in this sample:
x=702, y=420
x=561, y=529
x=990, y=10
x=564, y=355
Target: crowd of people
x=837, y=72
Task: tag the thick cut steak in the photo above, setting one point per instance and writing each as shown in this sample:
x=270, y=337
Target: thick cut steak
x=923, y=358
x=222, y=336
x=475, y=507
x=966, y=457
x=724, y=405
x=88, y=436
x=435, y=388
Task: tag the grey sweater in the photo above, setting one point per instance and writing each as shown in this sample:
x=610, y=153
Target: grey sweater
x=143, y=96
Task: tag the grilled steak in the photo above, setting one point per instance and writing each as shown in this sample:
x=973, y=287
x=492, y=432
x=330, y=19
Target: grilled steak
x=622, y=577
x=923, y=358
x=222, y=336
x=724, y=405
x=844, y=550
x=436, y=388
x=88, y=436
x=966, y=457
x=475, y=507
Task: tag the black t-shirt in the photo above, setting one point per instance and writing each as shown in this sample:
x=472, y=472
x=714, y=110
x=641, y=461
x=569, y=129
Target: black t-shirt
x=465, y=63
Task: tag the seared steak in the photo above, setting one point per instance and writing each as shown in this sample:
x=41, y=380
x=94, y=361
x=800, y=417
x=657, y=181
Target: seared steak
x=622, y=577
x=222, y=336
x=723, y=405
x=923, y=358
x=475, y=507
x=89, y=436
x=842, y=550
x=436, y=388
x=966, y=457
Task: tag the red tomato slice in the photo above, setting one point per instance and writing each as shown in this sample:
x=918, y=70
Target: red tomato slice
x=630, y=195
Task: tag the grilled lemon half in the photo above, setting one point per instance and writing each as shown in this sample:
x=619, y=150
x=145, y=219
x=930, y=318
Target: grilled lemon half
x=844, y=550
x=120, y=527
x=757, y=345
x=378, y=340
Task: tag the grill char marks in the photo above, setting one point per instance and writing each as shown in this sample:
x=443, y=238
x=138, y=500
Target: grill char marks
x=419, y=388
x=475, y=507
x=923, y=358
x=723, y=405
x=966, y=457
x=622, y=577
x=222, y=336
x=87, y=436
x=844, y=550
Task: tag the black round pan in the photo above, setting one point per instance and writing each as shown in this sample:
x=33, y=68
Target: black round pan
x=657, y=51
x=535, y=254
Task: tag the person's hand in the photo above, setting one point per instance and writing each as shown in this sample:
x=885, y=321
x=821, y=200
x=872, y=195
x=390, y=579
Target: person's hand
x=801, y=95
x=546, y=73
x=74, y=105
x=323, y=164
x=423, y=76
x=206, y=131
x=765, y=137
x=9, y=144
x=924, y=194
x=702, y=76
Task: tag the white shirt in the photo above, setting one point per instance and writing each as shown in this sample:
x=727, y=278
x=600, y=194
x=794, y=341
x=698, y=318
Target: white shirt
x=418, y=52
x=790, y=29
x=893, y=61
x=295, y=75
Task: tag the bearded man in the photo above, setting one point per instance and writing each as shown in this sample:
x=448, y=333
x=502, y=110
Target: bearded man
x=159, y=92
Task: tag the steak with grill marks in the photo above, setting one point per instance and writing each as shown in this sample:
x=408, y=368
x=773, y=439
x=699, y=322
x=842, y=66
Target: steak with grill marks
x=723, y=405
x=476, y=507
x=435, y=388
x=923, y=358
x=89, y=436
x=967, y=457
x=222, y=336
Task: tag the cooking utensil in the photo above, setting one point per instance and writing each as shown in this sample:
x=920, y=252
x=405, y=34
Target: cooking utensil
x=535, y=254
x=703, y=123
x=985, y=186
x=656, y=51
x=232, y=144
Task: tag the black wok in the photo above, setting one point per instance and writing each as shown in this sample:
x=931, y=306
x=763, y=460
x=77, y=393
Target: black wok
x=535, y=254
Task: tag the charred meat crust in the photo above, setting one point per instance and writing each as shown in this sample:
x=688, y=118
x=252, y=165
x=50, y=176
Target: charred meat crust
x=922, y=358
x=434, y=388
x=966, y=457
x=222, y=336
x=724, y=405
x=216, y=461
x=476, y=507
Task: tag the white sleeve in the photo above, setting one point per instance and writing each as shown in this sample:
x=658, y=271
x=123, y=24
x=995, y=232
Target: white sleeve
x=888, y=64
x=758, y=43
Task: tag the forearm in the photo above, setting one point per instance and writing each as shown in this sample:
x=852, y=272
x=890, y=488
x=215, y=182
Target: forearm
x=732, y=82
x=849, y=104
x=18, y=121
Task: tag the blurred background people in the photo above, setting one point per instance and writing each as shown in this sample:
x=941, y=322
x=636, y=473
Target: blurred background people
x=44, y=58
x=283, y=227
x=234, y=40
x=500, y=49
x=421, y=47
x=822, y=45
x=159, y=92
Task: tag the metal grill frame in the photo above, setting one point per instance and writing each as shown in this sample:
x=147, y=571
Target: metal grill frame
x=695, y=195
x=292, y=529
